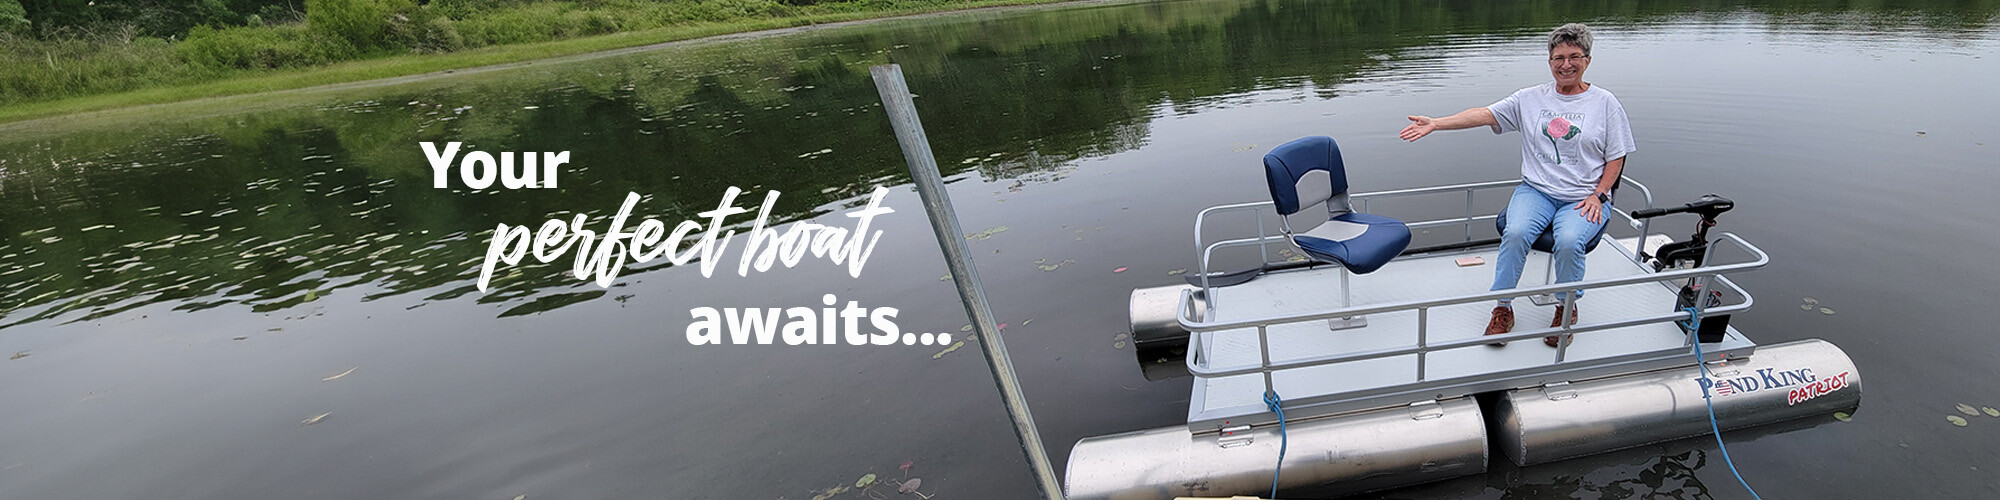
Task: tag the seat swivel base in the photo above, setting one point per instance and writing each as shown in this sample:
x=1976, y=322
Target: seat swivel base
x=1544, y=300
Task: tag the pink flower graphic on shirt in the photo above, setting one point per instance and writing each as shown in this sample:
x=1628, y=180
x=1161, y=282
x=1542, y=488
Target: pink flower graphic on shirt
x=1559, y=128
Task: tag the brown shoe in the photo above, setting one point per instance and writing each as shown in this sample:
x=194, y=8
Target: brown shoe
x=1502, y=322
x=1558, y=323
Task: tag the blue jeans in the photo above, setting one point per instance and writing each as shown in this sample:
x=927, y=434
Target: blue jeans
x=1528, y=214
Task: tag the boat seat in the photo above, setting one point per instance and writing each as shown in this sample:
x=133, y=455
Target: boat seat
x=1546, y=242
x=1308, y=172
x=1360, y=242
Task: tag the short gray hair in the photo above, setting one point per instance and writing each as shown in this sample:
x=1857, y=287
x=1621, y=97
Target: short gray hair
x=1571, y=34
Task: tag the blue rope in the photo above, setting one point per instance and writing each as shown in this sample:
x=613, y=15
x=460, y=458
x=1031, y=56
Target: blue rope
x=1694, y=324
x=1276, y=405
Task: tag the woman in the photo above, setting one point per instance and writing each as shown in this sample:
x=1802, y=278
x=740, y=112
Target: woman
x=1574, y=139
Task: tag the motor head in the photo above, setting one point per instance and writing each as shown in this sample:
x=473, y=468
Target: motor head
x=1710, y=205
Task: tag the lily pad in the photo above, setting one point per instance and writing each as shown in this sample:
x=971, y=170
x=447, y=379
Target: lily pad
x=312, y=295
x=910, y=486
x=986, y=234
x=1990, y=412
x=1826, y=310
x=865, y=481
x=1177, y=272
x=1118, y=345
x=1807, y=307
x=1118, y=270
x=966, y=328
x=315, y=419
x=1968, y=409
x=906, y=465
x=1025, y=322
x=1041, y=261
x=1813, y=301
x=1120, y=336
x=1842, y=416
x=19, y=355
x=1955, y=420
x=948, y=350
x=824, y=495
x=946, y=277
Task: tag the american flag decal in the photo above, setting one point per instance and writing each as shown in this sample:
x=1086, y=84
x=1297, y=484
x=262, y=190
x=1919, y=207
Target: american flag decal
x=1724, y=388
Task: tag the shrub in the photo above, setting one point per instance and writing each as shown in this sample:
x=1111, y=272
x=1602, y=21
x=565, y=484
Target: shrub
x=261, y=47
x=535, y=23
x=363, y=24
x=13, y=17
x=435, y=35
x=88, y=63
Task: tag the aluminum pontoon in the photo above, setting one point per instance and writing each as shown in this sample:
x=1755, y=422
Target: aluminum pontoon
x=1409, y=391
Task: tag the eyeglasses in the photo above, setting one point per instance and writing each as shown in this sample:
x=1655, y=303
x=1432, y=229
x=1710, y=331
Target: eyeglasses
x=1561, y=59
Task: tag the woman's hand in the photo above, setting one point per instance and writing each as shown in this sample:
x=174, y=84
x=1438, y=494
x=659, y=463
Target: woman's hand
x=1592, y=209
x=1419, y=127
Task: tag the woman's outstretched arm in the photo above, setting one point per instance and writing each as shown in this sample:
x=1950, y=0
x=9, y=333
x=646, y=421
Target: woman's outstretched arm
x=1421, y=126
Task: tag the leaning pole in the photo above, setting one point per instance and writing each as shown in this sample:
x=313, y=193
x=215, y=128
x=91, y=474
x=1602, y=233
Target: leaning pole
x=937, y=206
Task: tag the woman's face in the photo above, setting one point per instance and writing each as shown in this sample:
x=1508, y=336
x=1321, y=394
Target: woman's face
x=1566, y=63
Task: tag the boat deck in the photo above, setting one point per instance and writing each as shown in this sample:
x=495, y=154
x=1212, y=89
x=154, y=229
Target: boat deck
x=1373, y=383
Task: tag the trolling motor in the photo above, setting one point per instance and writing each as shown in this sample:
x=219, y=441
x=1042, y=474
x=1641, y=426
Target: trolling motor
x=1689, y=254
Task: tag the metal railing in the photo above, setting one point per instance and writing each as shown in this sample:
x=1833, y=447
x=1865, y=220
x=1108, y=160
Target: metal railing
x=1708, y=276
x=1265, y=238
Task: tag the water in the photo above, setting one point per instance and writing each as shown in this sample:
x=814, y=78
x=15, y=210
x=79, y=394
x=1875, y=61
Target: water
x=177, y=282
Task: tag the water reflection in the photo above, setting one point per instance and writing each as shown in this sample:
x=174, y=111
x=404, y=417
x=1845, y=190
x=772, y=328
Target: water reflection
x=263, y=209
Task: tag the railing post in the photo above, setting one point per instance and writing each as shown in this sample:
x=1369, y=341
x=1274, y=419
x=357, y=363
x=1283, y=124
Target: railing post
x=1264, y=348
x=1207, y=291
x=1423, y=333
x=1263, y=250
x=1468, y=213
x=1564, y=337
x=902, y=113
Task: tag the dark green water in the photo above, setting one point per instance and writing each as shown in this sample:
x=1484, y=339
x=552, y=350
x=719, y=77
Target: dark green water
x=177, y=287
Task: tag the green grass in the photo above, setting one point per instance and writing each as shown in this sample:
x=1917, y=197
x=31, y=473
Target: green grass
x=122, y=71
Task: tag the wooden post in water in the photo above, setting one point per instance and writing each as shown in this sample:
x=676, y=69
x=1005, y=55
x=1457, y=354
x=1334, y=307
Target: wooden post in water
x=937, y=205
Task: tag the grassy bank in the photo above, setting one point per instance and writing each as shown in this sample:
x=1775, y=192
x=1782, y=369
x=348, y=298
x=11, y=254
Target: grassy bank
x=113, y=69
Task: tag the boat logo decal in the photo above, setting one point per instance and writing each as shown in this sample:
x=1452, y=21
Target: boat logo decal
x=1816, y=389
x=1764, y=379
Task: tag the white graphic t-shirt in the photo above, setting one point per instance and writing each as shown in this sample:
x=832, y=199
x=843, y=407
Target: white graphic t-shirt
x=1565, y=139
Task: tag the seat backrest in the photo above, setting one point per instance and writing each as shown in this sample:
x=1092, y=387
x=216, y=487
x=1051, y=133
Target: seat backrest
x=1305, y=172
